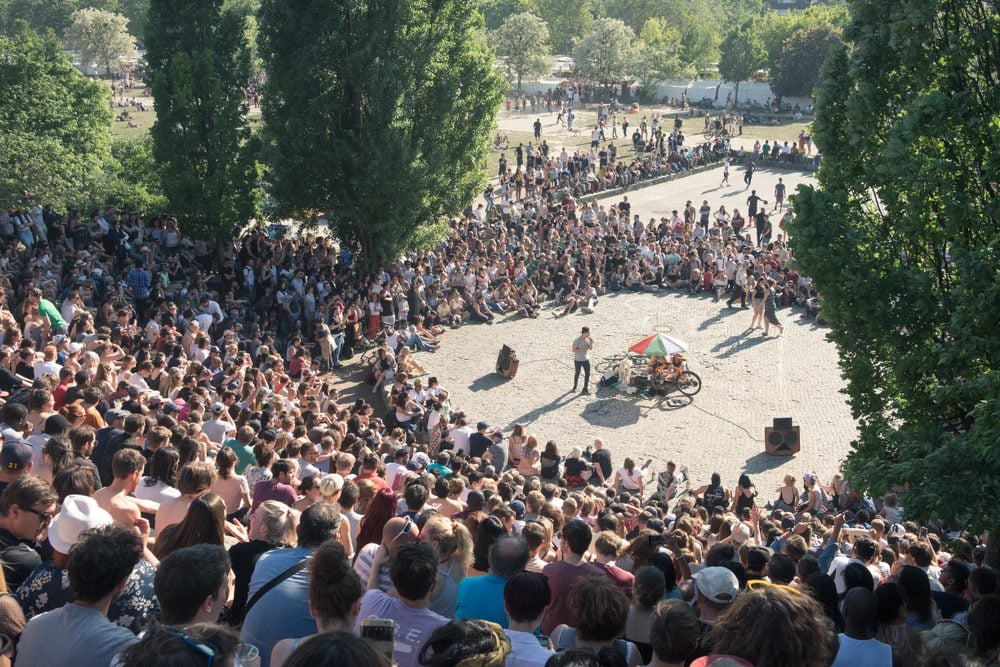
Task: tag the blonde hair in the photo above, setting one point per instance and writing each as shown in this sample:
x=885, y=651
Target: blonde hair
x=278, y=522
x=452, y=538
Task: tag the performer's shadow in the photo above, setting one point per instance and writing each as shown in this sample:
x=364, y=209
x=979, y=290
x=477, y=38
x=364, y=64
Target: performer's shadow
x=555, y=404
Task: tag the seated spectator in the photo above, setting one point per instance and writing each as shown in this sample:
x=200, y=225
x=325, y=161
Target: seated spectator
x=858, y=645
x=335, y=649
x=412, y=568
x=773, y=627
x=650, y=587
x=564, y=573
x=99, y=567
x=278, y=606
x=526, y=596
x=954, y=579
x=453, y=546
x=272, y=526
x=334, y=594
x=27, y=506
x=673, y=635
x=372, y=563
x=204, y=523
x=48, y=587
x=466, y=644
x=598, y=610
x=893, y=630
x=482, y=597
x=192, y=585
x=168, y=646
x=715, y=588
x=194, y=479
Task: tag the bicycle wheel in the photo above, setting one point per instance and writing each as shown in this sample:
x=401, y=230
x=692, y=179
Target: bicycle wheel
x=689, y=383
x=369, y=356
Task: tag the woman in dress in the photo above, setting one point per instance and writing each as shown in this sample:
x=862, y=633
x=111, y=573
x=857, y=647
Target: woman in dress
x=770, y=316
x=757, y=302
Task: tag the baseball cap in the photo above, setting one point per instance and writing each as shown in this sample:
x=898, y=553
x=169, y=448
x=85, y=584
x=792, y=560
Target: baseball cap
x=15, y=455
x=418, y=462
x=758, y=557
x=518, y=507
x=218, y=407
x=77, y=514
x=717, y=584
x=114, y=414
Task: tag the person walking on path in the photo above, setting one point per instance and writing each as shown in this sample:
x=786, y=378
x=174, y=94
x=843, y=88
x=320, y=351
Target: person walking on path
x=581, y=359
x=748, y=176
x=770, y=316
x=779, y=195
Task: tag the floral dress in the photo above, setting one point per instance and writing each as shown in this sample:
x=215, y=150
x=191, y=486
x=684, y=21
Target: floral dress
x=47, y=588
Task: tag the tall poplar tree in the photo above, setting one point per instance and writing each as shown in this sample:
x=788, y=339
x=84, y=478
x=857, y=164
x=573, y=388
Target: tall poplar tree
x=199, y=64
x=901, y=238
x=377, y=112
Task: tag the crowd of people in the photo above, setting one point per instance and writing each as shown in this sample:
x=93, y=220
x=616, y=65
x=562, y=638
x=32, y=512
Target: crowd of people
x=181, y=485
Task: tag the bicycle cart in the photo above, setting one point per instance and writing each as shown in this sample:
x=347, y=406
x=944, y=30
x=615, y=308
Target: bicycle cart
x=653, y=365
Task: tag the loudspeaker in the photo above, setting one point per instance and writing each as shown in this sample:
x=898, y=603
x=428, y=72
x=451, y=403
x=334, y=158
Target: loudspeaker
x=507, y=362
x=782, y=439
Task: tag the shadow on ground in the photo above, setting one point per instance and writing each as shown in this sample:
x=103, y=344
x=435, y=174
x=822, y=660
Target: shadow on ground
x=612, y=412
x=487, y=382
x=763, y=462
x=555, y=404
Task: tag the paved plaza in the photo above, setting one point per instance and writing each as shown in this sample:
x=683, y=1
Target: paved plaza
x=748, y=379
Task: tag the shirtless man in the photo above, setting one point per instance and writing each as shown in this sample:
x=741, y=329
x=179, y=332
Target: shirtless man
x=127, y=466
x=453, y=504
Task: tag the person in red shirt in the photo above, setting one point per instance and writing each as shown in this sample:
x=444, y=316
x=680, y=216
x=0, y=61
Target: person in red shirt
x=59, y=391
x=607, y=547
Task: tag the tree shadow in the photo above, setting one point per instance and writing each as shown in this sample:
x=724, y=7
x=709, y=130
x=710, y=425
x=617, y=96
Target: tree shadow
x=487, y=382
x=612, y=413
x=763, y=462
x=555, y=404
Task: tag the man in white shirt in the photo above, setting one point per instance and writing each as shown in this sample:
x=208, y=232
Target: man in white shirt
x=220, y=426
x=48, y=365
x=526, y=595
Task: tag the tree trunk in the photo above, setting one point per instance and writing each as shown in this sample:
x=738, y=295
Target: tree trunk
x=736, y=98
x=716, y=98
x=519, y=82
x=992, y=558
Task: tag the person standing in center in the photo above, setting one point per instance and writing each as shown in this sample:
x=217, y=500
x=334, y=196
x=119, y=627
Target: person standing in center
x=581, y=359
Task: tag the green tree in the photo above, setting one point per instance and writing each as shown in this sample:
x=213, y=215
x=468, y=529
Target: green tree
x=607, y=53
x=658, y=57
x=382, y=119
x=777, y=28
x=796, y=72
x=568, y=21
x=497, y=11
x=700, y=32
x=900, y=237
x=40, y=15
x=742, y=54
x=131, y=180
x=198, y=66
x=101, y=37
x=523, y=46
x=54, y=122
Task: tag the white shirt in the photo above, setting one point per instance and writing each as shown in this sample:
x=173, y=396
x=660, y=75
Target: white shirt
x=47, y=368
x=525, y=651
x=460, y=436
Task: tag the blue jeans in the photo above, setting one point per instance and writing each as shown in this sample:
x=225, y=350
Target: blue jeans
x=417, y=343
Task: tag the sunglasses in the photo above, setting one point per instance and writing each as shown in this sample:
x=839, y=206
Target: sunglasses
x=407, y=527
x=208, y=651
x=45, y=517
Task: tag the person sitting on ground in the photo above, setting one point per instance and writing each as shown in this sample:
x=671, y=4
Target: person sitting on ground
x=99, y=567
x=470, y=643
x=858, y=645
x=673, y=634
x=116, y=498
x=482, y=597
x=599, y=610
x=335, y=592
x=334, y=649
x=193, y=480
x=27, y=506
x=526, y=596
x=167, y=646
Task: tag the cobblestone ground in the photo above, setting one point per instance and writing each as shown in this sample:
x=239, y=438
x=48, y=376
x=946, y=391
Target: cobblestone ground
x=748, y=379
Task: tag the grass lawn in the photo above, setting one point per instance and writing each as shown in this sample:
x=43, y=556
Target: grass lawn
x=142, y=119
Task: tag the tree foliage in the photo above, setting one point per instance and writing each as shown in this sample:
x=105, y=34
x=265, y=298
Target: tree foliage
x=568, y=21
x=658, y=57
x=54, y=122
x=902, y=238
x=778, y=27
x=198, y=67
x=40, y=15
x=495, y=12
x=742, y=53
x=381, y=118
x=101, y=38
x=796, y=72
x=607, y=53
x=522, y=44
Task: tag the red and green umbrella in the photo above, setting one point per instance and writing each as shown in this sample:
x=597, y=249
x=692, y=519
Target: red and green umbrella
x=658, y=345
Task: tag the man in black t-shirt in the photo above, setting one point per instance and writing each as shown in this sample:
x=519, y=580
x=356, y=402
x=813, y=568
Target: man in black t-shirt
x=26, y=508
x=753, y=201
x=481, y=440
x=601, y=458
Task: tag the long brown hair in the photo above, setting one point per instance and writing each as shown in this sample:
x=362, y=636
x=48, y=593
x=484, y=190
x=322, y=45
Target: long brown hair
x=204, y=523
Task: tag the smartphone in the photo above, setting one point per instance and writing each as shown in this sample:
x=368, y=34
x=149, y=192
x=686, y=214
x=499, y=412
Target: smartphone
x=380, y=632
x=923, y=533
